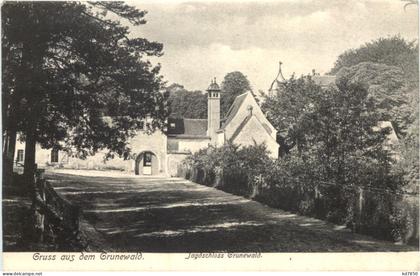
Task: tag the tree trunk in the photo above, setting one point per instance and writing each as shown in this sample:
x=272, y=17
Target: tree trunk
x=32, y=95
x=9, y=145
x=11, y=114
x=9, y=154
x=30, y=145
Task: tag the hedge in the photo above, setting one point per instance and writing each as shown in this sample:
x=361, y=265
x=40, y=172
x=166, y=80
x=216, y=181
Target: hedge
x=299, y=186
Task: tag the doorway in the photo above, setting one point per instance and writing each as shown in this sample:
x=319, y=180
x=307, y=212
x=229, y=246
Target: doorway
x=146, y=164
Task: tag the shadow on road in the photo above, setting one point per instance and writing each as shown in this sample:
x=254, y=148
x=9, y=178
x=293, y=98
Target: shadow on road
x=174, y=215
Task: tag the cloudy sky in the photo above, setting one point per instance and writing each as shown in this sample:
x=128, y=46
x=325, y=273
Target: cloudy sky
x=206, y=39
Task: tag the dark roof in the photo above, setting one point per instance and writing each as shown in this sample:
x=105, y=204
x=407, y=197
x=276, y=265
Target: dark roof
x=187, y=128
x=324, y=81
x=234, y=109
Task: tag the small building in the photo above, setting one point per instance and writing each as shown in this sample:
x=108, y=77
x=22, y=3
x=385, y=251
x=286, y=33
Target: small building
x=160, y=153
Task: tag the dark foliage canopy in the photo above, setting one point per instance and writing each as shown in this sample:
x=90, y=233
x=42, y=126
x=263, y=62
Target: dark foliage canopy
x=186, y=104
x=64, y=63
x=391, y=51
x=233, y=84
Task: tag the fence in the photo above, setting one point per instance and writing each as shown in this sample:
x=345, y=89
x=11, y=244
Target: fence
x=55, y=220
x=378, y=212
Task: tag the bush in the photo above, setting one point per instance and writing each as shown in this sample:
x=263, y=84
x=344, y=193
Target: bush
x=230, y=168
x=301, y=185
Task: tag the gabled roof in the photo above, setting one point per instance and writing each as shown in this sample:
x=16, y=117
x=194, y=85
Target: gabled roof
x=234, y=109
x=240, y=127
x=187, y=128
x=243, y=124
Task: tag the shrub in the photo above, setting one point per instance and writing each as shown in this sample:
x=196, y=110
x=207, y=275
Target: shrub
x=303, y=185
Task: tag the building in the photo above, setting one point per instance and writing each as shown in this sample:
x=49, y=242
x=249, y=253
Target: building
x=324, y=81
x=160, y=153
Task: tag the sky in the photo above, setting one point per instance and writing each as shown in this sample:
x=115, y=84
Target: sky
x=207, y=39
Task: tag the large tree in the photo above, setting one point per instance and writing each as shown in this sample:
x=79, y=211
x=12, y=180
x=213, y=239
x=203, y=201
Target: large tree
x=391, y=51
x=233, y=84
x=66, y=62
x=386, y=86
x=287, y=109
x=335, y=128
x=389, y=66
x=342, y=131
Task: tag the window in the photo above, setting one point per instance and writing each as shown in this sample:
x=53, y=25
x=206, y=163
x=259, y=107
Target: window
x=54, y=156
x=19, y=156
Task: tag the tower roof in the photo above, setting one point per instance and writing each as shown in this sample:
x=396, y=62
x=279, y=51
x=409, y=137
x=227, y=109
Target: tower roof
x=213, y=86
x=278, y=80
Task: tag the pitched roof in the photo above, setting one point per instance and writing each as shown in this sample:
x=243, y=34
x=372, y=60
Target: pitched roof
x=234, y=108
x=243, y=124
x=324, y=80
x=240, y=127
x=187, y=128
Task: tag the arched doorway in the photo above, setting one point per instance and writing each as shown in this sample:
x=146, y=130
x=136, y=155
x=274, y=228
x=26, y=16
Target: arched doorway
x=146, y=164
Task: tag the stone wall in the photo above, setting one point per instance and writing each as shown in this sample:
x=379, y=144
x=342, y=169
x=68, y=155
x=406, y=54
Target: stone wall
x=181, y=148
x=174, y=160
x=189, y=145
x=142, y=142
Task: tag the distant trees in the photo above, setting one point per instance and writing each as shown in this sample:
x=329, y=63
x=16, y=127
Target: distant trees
x=392, y=51
x=335, y=127
x=63, y=64
x=385, y=86
x=193, y=104
x=186, y=104
x=233, y=84
x=389, y=68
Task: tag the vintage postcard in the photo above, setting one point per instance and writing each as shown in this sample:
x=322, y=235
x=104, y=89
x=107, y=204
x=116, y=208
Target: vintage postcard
x=210, y=135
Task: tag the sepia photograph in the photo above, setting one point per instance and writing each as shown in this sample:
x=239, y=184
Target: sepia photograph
x=212, y=129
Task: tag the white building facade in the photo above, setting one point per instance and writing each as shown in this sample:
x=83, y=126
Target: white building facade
x=161, y=153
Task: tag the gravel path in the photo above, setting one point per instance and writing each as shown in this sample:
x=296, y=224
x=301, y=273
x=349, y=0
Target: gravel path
x=156, y=214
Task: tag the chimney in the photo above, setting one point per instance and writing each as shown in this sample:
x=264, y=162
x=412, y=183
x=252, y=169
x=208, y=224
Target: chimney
x=213, y=110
